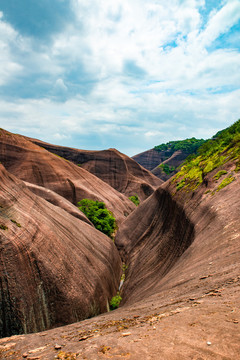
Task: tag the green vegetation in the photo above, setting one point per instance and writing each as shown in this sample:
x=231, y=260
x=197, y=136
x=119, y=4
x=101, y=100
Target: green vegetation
x=237, y=168
x=99, y=215
x=214, y=153
x=166, y=168
x=115, y=301
x=14, y=221
x=3, y=227
x=226, y=182
x=124, y=268
x=134, y=199
x=188, y=145
x=219, y=174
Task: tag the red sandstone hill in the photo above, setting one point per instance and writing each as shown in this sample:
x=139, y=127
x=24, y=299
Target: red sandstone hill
x=118, y=170
x=165, y=159
x=151, y=158
x=181, y=296
x=54, y=268
x=36, y=165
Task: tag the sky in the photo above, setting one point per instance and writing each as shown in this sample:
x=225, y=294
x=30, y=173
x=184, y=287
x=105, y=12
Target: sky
x=98, y=74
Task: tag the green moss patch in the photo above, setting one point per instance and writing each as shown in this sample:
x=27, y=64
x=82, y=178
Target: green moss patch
x=228, y=180
x=214, y=153
x=219, y=174
x=3, y=227
x=15, y=222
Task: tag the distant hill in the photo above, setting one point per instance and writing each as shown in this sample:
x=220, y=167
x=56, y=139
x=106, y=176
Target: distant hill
x=164, y=159
x=116, y=169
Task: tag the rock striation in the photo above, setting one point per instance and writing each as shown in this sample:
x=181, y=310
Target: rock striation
x=118, y=170
x=150, y=242
x=152, y=159
x=54, y=268
x=36, y=165
x=176, y=237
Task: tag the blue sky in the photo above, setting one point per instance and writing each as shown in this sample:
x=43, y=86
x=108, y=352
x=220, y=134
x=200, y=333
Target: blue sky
x=95, y=74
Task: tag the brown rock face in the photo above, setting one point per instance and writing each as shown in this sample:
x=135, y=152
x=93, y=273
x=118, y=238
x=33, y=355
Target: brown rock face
x=118, y=170
x=150, y=241
x=54, y=268
x=175, y=160
x=151, y=158
x=170, y=242
x=57, y=200
x=35, y=165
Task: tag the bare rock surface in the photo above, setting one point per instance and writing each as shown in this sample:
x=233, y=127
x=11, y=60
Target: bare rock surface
x=57, y=200
x=54, y=268
x=174, y=161
x=150, y=241
x=181, y=296
x=190, y=312
x=36, y=165
x=151, y=159
x=118, y=170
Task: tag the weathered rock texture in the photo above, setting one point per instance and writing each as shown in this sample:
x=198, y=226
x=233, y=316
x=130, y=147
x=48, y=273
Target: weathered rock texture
x=54, y=268
x=151, y=159
x=191, y=312
x=153, y=239
x=181, y=297
x=150, y=242
x=118, y=170
x=57, y=200
x=36, y=165
x=175, y=160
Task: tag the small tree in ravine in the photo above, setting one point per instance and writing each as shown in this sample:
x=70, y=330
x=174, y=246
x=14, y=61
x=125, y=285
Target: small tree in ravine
x=99, y=215
x=134, y=199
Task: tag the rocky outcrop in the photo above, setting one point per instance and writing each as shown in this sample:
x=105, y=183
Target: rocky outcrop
x=118, y=170
x=57, y=200
x=174, y=162
x=176, y=237
x=36, y=165
x=150, y=242
x=181, y=293
x=54, y=268
x=151, y=158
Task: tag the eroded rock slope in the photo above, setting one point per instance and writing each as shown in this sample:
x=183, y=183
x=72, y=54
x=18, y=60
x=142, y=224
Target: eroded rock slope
x=118, y=170
x=54, y=268
x=36, y=165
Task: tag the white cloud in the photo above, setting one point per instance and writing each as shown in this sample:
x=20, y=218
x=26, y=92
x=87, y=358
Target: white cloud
x=8, y=67
x=175, y=84
x=221, y=21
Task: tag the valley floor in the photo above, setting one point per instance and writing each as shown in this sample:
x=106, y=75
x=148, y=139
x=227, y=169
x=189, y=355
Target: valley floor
x=202, y=326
